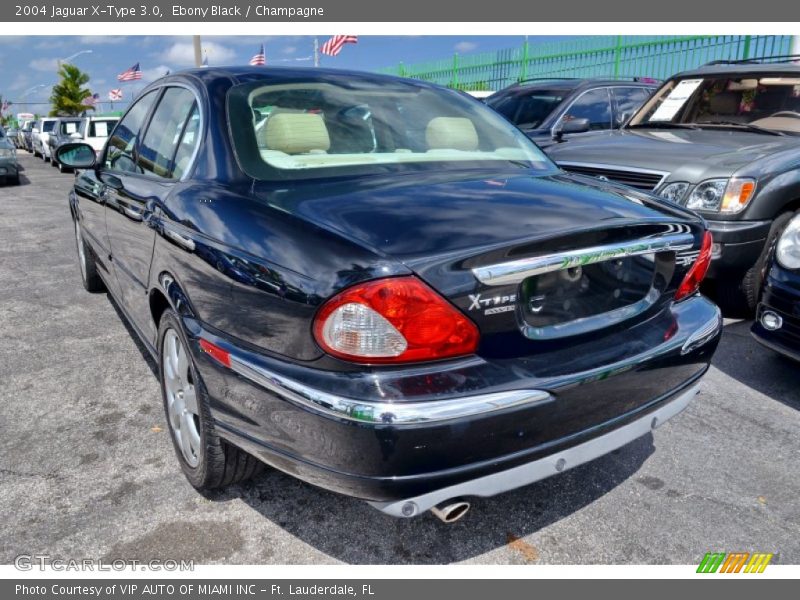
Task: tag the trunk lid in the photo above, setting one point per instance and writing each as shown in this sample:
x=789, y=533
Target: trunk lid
x=533, y=260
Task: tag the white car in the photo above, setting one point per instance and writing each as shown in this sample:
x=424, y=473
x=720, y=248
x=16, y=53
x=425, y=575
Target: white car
x=39, y=138
x=97, y=131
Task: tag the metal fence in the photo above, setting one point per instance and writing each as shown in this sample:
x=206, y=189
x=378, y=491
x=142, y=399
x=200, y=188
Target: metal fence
x=595, y=56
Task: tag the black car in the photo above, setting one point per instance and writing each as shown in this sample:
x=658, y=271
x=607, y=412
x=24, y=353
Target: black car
x=722, y=140
x=549, y=109
x=777, y=324
x=65, y=130
x=383, y=288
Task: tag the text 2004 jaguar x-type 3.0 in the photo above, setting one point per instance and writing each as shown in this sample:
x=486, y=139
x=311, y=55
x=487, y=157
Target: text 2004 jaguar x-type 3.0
x=384, y=289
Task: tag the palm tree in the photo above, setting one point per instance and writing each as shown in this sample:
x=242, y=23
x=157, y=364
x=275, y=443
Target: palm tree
x=69, y=93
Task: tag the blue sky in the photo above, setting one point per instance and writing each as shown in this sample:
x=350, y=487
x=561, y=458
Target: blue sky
x=30, y=61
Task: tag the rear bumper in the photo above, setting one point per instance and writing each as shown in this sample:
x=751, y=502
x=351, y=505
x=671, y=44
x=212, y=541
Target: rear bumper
x=389, y=436
x=738, y=244
x=558, y=462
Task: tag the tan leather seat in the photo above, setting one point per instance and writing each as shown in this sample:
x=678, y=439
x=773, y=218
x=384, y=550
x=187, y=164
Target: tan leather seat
x=451, y=133
x=295, y=133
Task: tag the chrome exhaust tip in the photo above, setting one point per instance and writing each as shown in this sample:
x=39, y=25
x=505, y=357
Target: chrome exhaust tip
x=451, y=511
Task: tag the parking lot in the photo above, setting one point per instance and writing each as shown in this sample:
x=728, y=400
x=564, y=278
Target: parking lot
x=88, y=469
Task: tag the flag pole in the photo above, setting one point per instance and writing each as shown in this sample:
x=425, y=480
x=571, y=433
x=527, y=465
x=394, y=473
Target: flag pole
x=198, y=51
x=316, y=51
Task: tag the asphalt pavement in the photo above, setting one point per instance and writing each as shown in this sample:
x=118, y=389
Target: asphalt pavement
x=87, y=469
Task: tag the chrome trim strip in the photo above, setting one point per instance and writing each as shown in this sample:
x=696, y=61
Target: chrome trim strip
x=388, y=413
x=503, y=481
x=513, y=272
x=701, y=336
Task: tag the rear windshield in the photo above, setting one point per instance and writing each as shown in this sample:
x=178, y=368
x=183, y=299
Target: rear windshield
x=101, y=128
x=769, y=101
x=315, y=129
x=527, y=110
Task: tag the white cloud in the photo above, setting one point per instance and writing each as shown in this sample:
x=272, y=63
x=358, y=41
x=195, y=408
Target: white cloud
x=289, y=50
x=182, y=53
x=44, y=64
x=102, y=40
x=465, y=46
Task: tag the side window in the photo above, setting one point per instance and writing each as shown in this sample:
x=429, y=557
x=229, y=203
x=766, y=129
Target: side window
x=629, y=99
x=593, y=105
x=165, y=132
x=189, y=141
x=119, y=152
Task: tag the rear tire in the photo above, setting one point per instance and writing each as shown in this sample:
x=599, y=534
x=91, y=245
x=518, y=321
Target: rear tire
x=89, y=276
x=207, y=460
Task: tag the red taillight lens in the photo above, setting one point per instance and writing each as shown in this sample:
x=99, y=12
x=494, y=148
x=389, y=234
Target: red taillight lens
x=695, y=276
x=394, y=320
x=215, y=352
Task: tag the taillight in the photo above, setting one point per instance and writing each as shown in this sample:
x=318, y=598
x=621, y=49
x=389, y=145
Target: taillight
x=393, y=320
x=691, y=283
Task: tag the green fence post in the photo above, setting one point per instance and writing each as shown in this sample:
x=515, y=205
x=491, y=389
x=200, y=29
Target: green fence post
x=401, y=70
x=455, y=71
x=746, y=51
x=523, y=74
x=617, y=56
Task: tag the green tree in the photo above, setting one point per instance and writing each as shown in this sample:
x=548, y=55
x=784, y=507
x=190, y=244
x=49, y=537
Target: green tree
x=69, y=93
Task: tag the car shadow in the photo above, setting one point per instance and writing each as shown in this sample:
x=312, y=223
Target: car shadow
x=741, y=357
x=351, y=531
x=148, y=358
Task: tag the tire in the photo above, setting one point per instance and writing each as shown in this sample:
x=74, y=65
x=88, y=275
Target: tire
x=54, y=163
x=14, y=180
x=207, y=461
x=740, y=298
x=89, y=277
x=61, y=168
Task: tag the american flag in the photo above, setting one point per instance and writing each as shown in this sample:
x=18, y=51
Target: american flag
x=259, y=59
x=115, y=95
x=91, y=100
x=334, y=45
x=131, y=74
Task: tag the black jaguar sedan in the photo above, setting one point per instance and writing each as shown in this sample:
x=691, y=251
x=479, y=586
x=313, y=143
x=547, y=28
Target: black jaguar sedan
x=777, y=323
x=384, y=289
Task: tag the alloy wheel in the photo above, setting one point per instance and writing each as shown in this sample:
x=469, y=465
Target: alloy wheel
x=181, y=397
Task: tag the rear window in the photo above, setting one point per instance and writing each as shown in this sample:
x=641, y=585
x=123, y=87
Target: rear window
x=313, y=128
x=101, y=129
x=48, y=126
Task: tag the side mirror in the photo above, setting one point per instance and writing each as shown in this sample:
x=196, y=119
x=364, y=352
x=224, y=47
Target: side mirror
x=76, y=155
x=571, y=126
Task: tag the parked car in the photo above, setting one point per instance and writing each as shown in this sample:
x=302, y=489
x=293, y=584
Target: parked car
x=777, y=323
x=722, y=140
x=12, y=133
x=551, y=110
x=66, y=129
x=97, y=131
x=387, y=290
x=39, y=140
x=9, y=168
x=26, y=135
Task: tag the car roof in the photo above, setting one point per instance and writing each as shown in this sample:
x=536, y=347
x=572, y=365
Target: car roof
x=741, y=68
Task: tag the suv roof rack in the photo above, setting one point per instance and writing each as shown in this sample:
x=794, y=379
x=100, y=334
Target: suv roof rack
x=636, y=78
x=757, y=60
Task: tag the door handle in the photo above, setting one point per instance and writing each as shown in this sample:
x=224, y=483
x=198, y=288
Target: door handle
x=182, y=241
x=132, y=214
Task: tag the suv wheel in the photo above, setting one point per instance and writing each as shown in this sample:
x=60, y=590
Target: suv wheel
x=207, y=460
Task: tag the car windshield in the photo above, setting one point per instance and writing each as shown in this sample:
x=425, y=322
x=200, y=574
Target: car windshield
x=767, y=102
x=528, y=109
x=309, y=129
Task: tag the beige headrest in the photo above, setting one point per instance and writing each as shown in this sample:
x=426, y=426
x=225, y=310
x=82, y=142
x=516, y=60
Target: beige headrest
x=456, y=133
x=296, y=133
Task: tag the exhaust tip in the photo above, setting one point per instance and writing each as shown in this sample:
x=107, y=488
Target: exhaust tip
x=451, y=511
